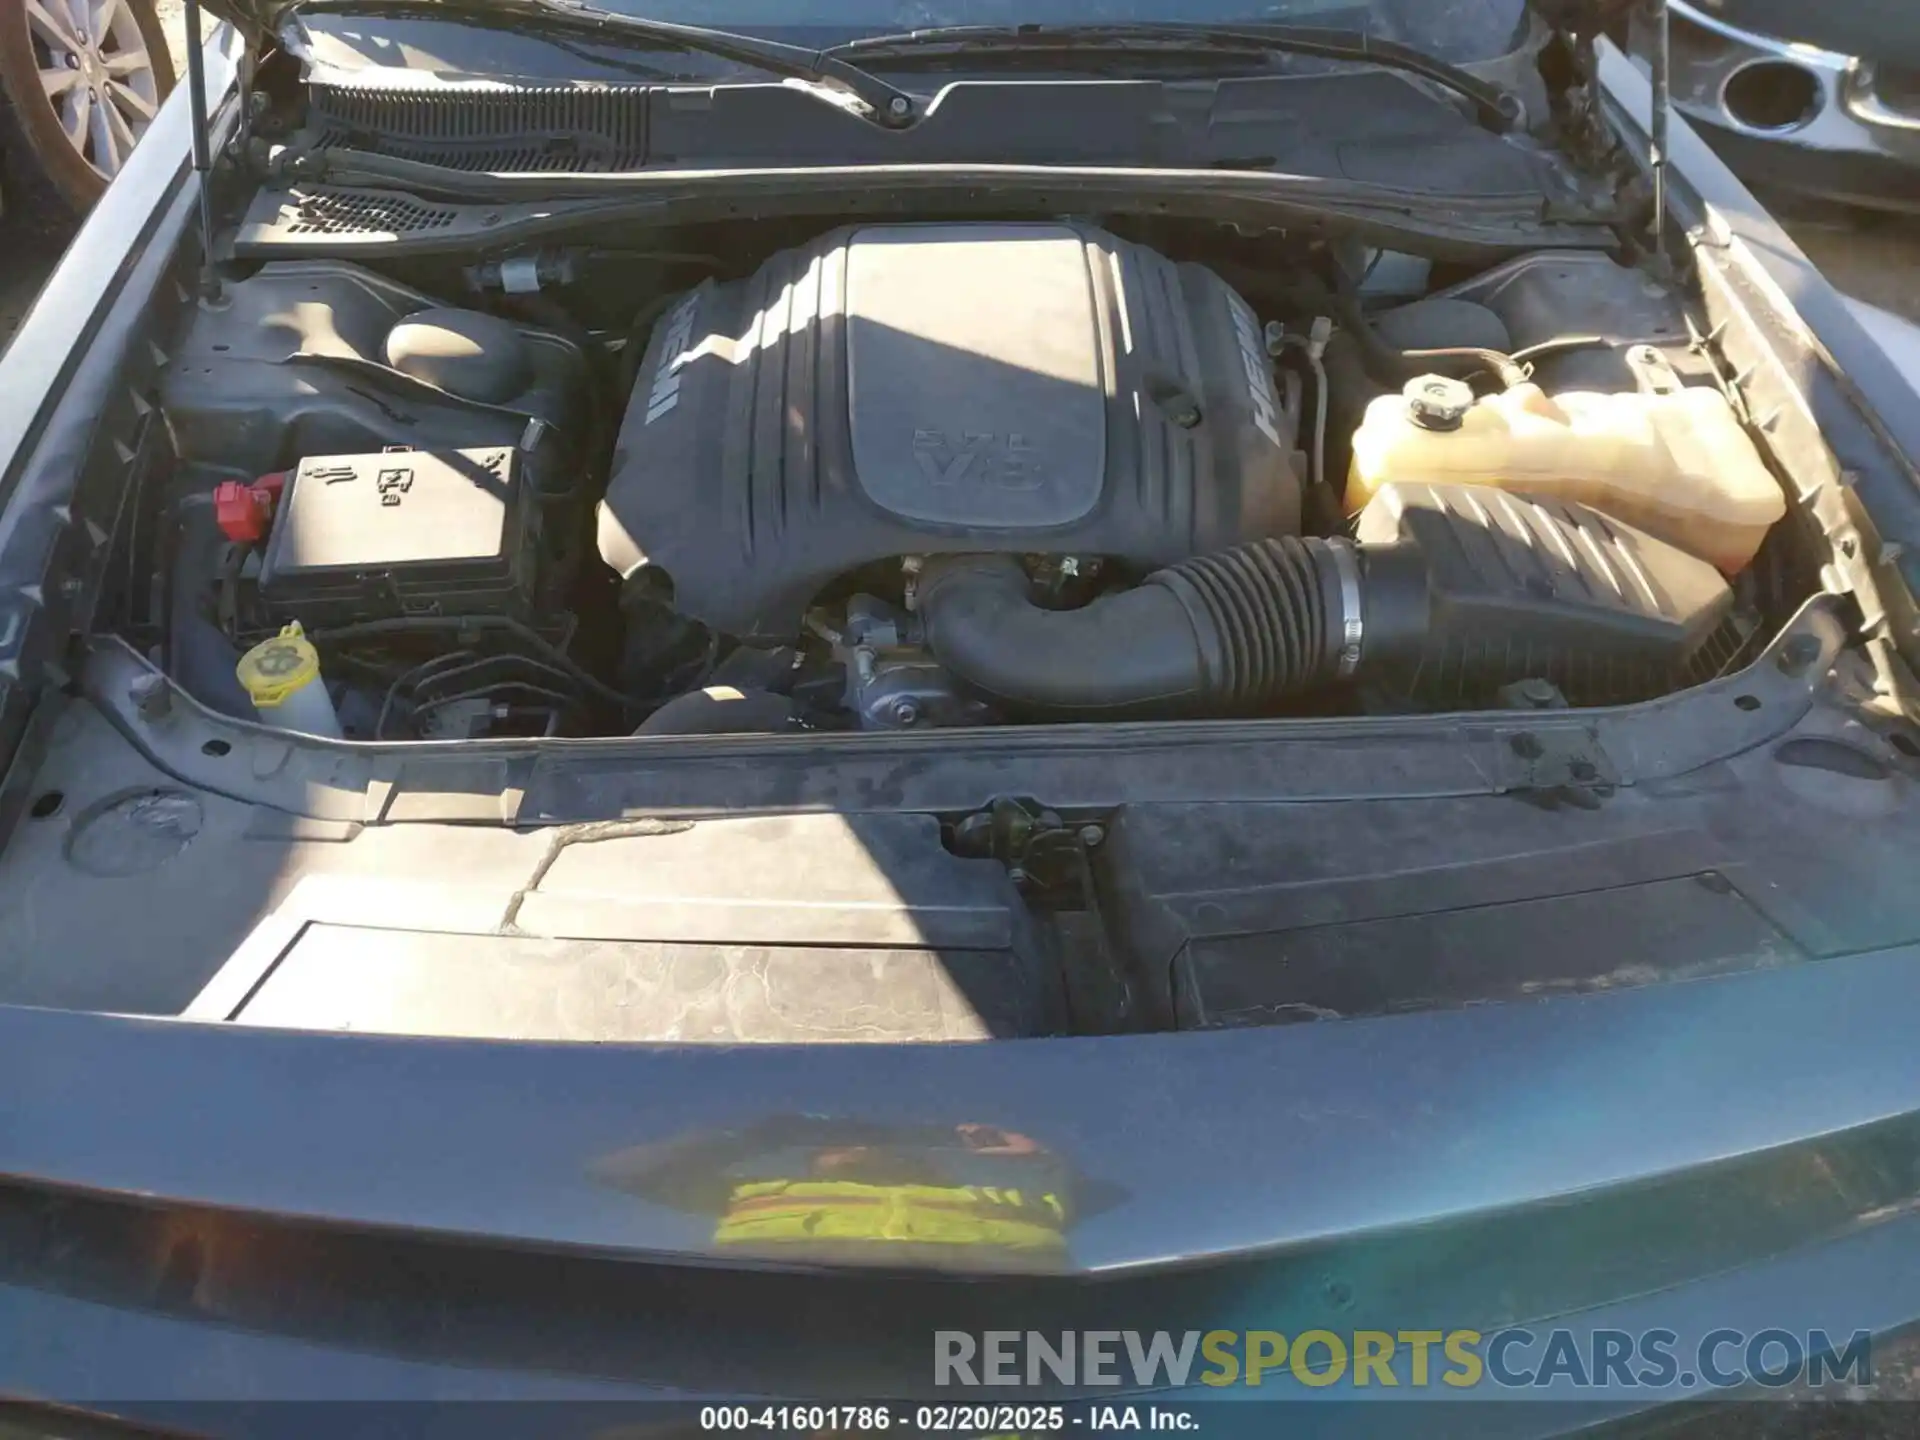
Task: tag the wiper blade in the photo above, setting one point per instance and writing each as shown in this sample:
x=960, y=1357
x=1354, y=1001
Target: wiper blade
x=1499, y=110
x=883, y=103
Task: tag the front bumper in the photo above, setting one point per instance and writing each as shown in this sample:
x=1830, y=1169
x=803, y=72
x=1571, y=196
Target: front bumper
x=1797, y=116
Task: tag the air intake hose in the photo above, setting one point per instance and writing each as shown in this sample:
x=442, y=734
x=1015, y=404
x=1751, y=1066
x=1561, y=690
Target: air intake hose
x=1221, y=632
x=1445, y=592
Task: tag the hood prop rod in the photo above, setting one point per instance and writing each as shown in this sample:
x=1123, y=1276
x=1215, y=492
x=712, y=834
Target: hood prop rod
x=202, y=148
x=1660, y=25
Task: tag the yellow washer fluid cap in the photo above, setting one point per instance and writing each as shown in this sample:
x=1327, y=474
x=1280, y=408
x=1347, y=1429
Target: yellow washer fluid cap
x=274, y=669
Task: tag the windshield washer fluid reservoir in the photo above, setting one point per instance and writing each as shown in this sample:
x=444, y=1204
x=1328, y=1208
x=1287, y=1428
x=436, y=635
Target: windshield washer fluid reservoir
x=1675, y=463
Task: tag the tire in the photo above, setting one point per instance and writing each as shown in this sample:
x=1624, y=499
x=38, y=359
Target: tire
x=47, y=177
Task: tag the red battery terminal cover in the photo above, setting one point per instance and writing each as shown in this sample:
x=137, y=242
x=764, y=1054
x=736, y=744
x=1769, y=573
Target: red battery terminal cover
x=244, y=512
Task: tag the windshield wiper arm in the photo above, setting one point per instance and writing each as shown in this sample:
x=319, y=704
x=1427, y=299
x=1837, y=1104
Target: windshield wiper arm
x=885, y=104
x=1498, y=109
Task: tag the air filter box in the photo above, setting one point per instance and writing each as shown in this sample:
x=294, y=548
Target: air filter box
x=1469, y=587
x=404, y=532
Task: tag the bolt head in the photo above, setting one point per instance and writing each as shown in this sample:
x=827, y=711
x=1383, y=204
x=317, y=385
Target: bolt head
x=1797, y=654
x=905, y=711
x=899, y=105
x=1092, y=835
x=152, y=695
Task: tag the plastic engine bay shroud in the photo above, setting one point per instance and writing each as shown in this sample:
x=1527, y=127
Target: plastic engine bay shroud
x=916, y=389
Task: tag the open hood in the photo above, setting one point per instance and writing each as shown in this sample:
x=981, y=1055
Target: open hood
x=261, y=17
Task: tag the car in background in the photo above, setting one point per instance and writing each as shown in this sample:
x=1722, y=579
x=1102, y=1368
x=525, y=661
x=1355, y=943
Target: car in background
x=1823, y=100
x=79, y=82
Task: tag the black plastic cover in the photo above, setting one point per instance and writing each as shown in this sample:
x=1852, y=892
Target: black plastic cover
x=1468, y=587
x=364, y=537
x=294, y=361
x=788, y=929
x=1339, y=911
x=467, y=353
x=913, y=389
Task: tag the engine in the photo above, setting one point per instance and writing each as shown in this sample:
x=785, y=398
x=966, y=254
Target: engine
x=905, y=391
x=915, y=475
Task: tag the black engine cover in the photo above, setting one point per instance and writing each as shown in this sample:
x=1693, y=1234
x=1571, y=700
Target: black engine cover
x=916, y=389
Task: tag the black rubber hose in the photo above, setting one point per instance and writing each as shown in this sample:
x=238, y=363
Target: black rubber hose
x=520, y=630
x=1223, y=632
x=200, y=656
x=1350, y=390
x=1450, y=594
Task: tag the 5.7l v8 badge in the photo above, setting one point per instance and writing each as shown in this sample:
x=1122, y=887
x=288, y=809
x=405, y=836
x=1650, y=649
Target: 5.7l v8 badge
x=1002, y=462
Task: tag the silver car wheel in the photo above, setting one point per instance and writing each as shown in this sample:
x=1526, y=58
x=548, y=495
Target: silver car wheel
x=96, y=74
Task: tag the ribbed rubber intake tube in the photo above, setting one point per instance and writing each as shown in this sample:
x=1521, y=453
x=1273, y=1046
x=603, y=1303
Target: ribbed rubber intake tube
x=1220, y=633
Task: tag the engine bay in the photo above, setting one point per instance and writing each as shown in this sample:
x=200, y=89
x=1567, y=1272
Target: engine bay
x=935, y=473
x=664, y=607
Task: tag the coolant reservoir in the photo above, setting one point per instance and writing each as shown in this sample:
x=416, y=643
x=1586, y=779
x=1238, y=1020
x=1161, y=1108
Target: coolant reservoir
x=1674, y=463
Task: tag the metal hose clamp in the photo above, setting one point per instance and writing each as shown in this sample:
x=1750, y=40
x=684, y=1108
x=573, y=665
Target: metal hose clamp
x=1346, y=562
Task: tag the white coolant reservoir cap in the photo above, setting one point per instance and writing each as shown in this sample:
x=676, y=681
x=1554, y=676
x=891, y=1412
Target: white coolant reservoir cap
x=1438, y=402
